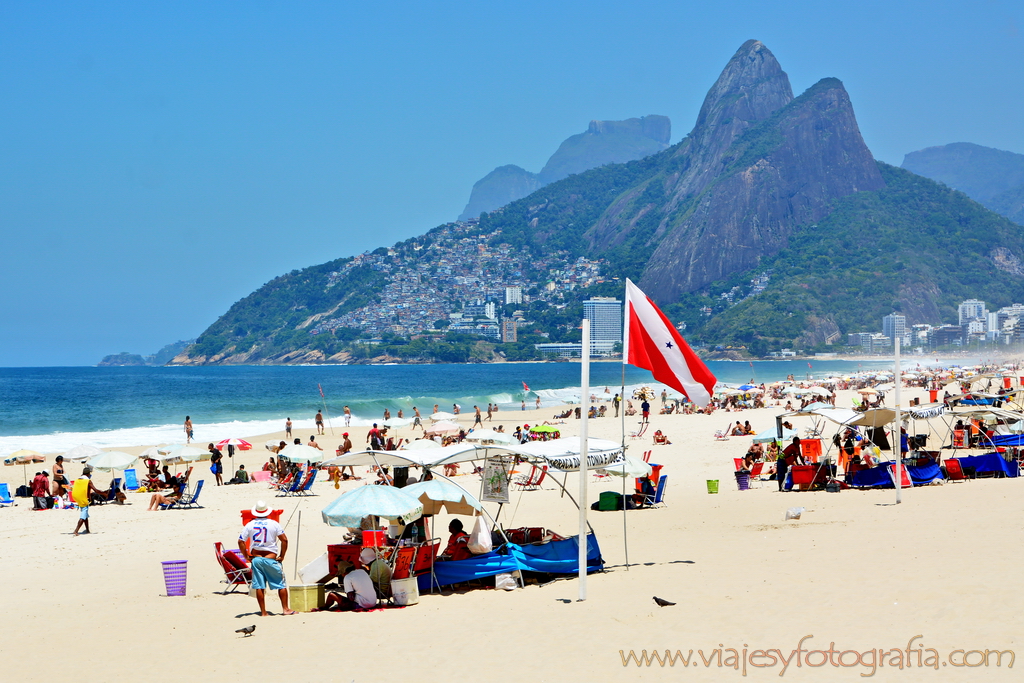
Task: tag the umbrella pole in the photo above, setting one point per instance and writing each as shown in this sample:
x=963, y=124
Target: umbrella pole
x=298, y=530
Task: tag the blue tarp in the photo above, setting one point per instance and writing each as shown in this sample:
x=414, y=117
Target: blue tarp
x=1008, y=439
x=882, y=477
x=977, y=401
x=989, y=462
x=478, y=567
x=556, y=557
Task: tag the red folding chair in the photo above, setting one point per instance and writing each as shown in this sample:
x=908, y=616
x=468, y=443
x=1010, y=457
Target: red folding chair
x=236, y=569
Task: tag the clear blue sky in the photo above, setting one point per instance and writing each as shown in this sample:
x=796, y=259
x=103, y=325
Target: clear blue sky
x=159, y=161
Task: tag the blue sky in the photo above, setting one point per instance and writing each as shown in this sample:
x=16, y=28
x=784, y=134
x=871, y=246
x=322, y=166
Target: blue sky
x=159, y=161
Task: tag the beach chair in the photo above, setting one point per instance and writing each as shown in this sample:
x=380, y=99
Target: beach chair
x=5, y=496
x=403, y=561
x=755, y=472
x=131, y=480
x=307, y=488
x=647, y=456
x=236, y=570
x=659, y=495
x=188, y=500
x=721, y=436
x=532, y=481
x=115, y=486
x=953, y=470
x=738, y=462
x=292, y=487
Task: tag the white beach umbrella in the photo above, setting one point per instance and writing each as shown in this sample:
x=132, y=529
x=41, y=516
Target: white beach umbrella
x=397, y=422
x=436, y=494
x=184, y=453
x=82, y=452
x=436, y=417
x=442, y=427
x=109, y=461
x=490, y=435
x=300, y=453
x=631, y=468
x=420, y=444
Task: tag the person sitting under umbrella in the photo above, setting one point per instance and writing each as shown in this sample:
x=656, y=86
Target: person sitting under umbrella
x=358, y=590
x=458, y=543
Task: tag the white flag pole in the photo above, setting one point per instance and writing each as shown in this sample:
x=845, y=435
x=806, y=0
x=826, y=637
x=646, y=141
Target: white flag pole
x=898, y=438
x=584, y=452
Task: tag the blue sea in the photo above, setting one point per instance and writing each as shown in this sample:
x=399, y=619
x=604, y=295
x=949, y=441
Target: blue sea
x=54, y=409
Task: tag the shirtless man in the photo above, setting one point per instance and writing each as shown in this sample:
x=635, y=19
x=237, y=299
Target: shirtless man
x=416, y=421
x=476, y=420
x=319, y=422
x=348, y=416
x=188, y=429
x=313, y=443
x=288, y=427
x=344, y=448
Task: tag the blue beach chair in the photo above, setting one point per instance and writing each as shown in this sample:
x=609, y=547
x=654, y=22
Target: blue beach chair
x=5, y=496
x=659, y=495
x=307, y=488
x=131, y=481
x=187, y=500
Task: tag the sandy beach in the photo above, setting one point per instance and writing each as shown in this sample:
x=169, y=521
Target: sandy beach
x=855, y=570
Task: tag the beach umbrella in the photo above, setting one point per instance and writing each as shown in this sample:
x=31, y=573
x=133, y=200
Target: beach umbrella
x=300, y=453
x=888, y=386
x=240, y=444
x=109, y=461
x=630, y=467
x=867, y=391
x=151, y=452
x=272, y=444
x=436, y=494
x=437, y=417
x=23, y=458
x=420, y=444
x=382, y=501
x=81, y=452
x=773, y=435
x=490, y=435
x=397, y=423
x=183, y=453
x=544, y=429
x=442, y=427
x=747, y=387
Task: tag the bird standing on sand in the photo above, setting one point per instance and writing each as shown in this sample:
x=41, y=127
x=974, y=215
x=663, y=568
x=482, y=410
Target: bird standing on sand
x=657, y=600
x=249, y=629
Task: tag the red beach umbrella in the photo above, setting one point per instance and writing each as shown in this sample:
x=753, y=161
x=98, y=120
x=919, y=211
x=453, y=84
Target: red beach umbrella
x=240, y=444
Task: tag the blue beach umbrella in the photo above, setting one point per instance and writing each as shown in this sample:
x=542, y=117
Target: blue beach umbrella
x=383, y=501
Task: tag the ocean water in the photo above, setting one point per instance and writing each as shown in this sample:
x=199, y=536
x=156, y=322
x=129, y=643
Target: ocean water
x=54, y=409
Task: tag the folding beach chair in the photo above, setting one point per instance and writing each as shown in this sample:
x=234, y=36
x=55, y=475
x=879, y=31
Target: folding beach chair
x=739, y=463
x=307, y=488
x=403, y=560
x=953, y=470
x=532, y=481
x=755, y=472
x=131, y=481
x=187, y=500
x=5, y=496
x=647, y=456
x=115, y=486
x=236, y=570
x=659, y=496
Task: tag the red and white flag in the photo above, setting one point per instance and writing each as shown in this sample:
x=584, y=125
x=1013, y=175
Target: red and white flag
x=650, y=341
x=525, y=388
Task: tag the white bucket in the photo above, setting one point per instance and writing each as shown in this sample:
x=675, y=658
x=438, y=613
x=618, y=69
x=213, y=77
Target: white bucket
x=405, y=591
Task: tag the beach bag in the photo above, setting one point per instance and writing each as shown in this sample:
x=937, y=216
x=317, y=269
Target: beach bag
x=480, y=538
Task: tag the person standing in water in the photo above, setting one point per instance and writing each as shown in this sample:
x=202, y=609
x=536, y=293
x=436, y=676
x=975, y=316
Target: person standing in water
x=188, y=429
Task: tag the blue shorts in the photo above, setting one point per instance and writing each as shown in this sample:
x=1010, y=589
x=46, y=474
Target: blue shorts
x=83, y=512
x=267, y=573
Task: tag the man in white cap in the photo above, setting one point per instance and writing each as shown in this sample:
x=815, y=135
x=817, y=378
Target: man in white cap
x=267, y=545
x=359, y=592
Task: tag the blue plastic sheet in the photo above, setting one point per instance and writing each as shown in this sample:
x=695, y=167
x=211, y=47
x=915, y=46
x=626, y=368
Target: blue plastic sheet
x=1008, y=439
x=881, y=476
x=556, y=557
x=989, y=462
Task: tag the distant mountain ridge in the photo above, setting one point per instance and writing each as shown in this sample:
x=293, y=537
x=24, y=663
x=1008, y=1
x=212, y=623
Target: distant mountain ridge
x=769, y=225
x=604, y=142
x=992, y=177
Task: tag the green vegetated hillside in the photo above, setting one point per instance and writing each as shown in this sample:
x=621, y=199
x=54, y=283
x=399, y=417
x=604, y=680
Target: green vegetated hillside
x=275, y=318
x=915, y=246
x=765, y=186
